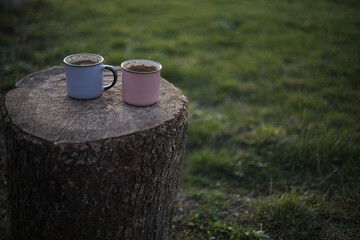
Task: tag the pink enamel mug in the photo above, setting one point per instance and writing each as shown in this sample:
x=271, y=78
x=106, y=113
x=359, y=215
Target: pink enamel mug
x=140, y=82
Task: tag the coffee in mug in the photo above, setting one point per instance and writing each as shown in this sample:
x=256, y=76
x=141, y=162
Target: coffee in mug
x=140, y=82
x=84, y=77
x=83, y=62
x=142, y=68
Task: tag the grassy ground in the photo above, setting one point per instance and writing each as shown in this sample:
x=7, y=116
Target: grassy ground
x=274, y=91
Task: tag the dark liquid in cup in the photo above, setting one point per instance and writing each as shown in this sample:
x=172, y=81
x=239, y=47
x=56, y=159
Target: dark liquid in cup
x=83, y=62
x=142, y=68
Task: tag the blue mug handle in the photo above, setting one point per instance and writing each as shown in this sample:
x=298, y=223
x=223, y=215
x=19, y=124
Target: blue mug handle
x=112, y=69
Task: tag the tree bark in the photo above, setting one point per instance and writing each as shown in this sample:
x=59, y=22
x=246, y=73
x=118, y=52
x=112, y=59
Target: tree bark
x=95, y=169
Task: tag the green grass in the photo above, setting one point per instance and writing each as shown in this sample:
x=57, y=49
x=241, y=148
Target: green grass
x=274, y=138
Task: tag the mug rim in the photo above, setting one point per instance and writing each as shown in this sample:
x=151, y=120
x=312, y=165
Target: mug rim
x=86, y=54
x=147, y=60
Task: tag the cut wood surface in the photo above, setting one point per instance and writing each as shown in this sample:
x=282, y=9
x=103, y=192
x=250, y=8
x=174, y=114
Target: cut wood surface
x=41, y=107
x=91, y=169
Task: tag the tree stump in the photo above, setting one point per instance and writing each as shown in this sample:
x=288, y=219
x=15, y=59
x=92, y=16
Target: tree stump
x=94, y=169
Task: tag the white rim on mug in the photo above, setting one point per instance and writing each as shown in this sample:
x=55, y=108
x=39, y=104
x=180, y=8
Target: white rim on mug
x=141, y=61
x=85, y=56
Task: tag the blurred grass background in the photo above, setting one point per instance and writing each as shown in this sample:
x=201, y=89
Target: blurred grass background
x=274, y=90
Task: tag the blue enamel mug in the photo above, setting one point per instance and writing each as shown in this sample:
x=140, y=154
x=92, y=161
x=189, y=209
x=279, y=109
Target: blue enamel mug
x=84, y=75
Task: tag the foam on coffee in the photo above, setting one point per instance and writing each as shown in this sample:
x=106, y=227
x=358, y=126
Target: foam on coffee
x=142, y=68
x=84, y=62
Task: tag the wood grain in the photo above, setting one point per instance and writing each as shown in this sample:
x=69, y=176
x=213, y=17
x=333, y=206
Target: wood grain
x=40, y=106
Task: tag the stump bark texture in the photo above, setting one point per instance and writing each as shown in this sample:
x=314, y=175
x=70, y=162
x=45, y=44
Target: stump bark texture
x=94, y=169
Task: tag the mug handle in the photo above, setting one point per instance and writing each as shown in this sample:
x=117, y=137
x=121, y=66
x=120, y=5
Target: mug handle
x=112, y=69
